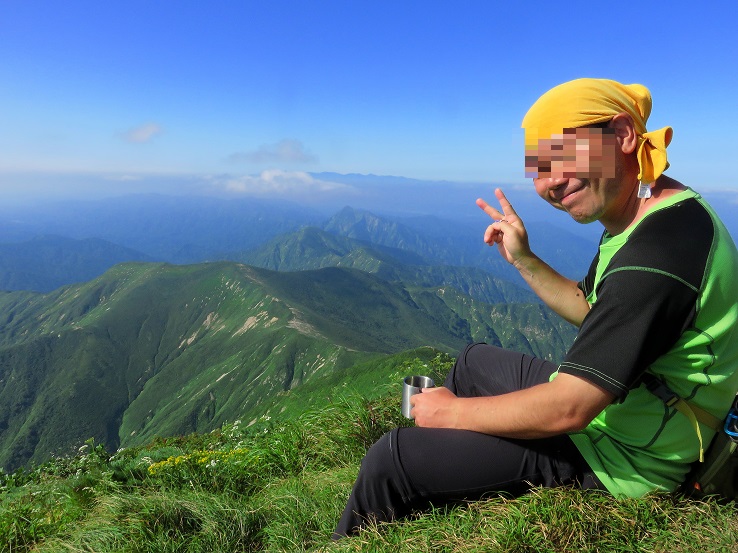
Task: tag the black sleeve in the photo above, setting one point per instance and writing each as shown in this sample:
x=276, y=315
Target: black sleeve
x=638, y=316
x=646, y=298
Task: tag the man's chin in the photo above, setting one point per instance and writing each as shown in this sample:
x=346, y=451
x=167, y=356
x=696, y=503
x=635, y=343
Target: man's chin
x=581, y=218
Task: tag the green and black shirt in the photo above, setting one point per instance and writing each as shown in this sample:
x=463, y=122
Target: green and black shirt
x=664, y=297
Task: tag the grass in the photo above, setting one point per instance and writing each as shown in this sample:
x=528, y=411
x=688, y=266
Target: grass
x=563, y=520
x=281, y=486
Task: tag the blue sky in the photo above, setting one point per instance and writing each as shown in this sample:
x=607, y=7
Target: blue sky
x=255, y=94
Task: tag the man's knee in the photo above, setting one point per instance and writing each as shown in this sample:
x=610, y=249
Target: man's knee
x=475, y=354
x=470, y=361
x=482, y=370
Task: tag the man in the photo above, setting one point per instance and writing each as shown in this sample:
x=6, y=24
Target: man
x=661, y=297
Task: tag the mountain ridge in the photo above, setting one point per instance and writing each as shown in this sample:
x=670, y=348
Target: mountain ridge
x=153, y=349
x=312, y=248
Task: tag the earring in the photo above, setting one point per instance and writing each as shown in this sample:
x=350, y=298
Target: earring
x=644, y=191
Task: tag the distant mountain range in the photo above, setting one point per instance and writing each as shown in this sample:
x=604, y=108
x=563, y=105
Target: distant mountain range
x=153, y=349
x=176, y=229
x=45, y=263
x=91, y=237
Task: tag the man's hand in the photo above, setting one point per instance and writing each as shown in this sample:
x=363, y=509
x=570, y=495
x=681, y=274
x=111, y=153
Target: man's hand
x=507, y=231
x=435, y=408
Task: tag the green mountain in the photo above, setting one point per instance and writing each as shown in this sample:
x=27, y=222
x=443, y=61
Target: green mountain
x=442, y=242
x=433, y=242
x=154, y=349
x=312, y=248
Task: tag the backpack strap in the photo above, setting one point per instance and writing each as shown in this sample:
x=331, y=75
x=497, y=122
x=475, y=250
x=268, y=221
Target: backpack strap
x=695, y=414
x=731, y=422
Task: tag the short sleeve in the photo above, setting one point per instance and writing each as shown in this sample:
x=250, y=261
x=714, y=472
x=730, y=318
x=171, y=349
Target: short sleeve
x=638, y=316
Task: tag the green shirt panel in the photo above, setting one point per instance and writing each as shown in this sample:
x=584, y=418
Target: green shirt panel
x=641, y=445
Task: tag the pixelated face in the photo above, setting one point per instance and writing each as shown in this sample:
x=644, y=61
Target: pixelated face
x=584, y=153
x=580, y=171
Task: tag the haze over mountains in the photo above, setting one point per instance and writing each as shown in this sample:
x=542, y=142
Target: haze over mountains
x=192, y=229
x=132, y=317
x=45, y=263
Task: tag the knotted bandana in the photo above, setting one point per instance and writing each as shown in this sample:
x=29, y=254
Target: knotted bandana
x=588, y=101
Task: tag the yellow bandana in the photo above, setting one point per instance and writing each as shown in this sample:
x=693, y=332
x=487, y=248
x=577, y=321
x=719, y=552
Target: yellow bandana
x=588, y=101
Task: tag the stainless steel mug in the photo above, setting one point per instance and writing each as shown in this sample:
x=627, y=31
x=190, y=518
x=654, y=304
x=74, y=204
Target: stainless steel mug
x=411, y=386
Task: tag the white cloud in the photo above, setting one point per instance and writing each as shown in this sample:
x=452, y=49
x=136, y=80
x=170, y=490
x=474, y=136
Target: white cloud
x=284, y=151
x=143, y=133
x=277, y=182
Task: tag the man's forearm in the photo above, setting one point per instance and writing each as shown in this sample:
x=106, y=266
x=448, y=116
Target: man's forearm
x=504, y=416
x=558, y=292
x=541, y=411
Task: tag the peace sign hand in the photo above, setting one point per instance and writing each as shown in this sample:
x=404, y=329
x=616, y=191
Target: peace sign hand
x=507, y=231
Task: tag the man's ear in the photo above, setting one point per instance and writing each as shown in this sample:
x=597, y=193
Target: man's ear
x=625, y=132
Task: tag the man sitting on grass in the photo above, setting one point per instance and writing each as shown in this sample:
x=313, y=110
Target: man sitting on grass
x=661, y=297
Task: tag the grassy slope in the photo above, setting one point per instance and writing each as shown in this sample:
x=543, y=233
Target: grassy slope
x=103, y=358
x=281, y=487
x=372, y=379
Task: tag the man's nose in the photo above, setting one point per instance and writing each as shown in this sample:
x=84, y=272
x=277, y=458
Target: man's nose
x=550, y=183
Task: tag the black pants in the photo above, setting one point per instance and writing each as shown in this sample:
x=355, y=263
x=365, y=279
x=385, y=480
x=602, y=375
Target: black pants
x=410, y=468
